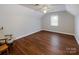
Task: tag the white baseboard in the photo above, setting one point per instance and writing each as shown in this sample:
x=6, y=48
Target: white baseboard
x=40, y=30
x=77, y=40
x=66, y=33
x=61, y=32
x=26, y=34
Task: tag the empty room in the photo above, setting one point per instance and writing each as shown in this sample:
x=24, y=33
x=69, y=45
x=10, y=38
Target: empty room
x=39, y=29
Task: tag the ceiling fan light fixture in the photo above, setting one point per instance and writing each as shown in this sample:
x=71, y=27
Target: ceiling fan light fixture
x=45, y=11
x=45, y=8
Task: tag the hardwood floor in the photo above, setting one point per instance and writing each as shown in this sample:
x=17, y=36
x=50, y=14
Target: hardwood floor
x=45, y=43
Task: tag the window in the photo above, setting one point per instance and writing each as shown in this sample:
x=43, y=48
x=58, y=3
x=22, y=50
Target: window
x=54, y=20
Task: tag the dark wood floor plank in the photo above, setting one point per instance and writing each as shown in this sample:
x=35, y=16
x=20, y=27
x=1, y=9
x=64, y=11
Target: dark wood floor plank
x=46, y=43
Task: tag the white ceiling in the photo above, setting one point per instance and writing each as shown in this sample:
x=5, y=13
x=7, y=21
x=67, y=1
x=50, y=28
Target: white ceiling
x=72, y=8
x=51, y=7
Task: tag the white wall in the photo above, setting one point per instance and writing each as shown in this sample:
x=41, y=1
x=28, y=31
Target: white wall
x=19, y=20
x=74, y=9
x=66, y=23
x=77, y=28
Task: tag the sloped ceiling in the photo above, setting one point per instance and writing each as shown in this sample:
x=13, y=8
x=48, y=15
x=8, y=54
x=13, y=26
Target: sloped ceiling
x=51, y=7
x=71, y=8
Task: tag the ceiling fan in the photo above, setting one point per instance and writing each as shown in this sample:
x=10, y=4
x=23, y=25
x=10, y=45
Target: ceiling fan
x=44, y=7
